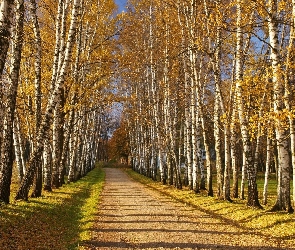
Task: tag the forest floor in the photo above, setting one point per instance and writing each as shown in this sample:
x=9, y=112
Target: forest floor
x=133, y=216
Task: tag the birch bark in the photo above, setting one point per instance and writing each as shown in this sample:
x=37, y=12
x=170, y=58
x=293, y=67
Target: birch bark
x=267, y=165
x=67, y=135
x=58, y=114
x=7, y=141
x=288, y=95
x=38, y=57
x=215, y=55
x=244, y=120
x=74, y=148
x=6, y=16
x=57, y=139
x=283, y=189
x=217, y=130
x=47, y=159
x=17, y=148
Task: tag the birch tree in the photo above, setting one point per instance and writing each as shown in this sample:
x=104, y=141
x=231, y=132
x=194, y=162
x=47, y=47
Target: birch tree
x=289, y=92
x=28, y=178
x=283, y=188
x=249, y=161
x=38, y=93
x=6, y=16
x=13, y=80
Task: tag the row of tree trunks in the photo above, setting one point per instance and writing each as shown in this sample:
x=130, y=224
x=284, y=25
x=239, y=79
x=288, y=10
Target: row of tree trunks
x=56, y=93
x=42, y=98
x=202, y=67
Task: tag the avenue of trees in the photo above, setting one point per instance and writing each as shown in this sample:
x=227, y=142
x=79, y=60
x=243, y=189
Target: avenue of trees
x=207, y=79
x=214, y=80
x=56, y=69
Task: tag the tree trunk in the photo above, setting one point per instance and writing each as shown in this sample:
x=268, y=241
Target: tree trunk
x=7, y=143
x=208, y=156
x=283, y=189
x=243, y=177
x=267, y=168
x=226, y=185
x=234, y=161
x=58, y=122
x=17, y=149
x=37, y=191
x=217, y=113
x=289, y=95
x=47, y=159
x=6, y=16
x=244, y=120
x=68, y=131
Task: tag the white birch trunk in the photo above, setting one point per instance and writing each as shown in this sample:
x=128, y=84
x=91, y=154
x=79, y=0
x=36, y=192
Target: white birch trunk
x=227, y=160
x=47, y=159
x=215, y=54
x=67, y=135
x=188, y=145
x=288, y=95
x=38, y=63
x=283, y=190
x=199, y=114
x=258, y=139
x=244, y=120
x=74, y=142
x=17, y=149
x=57, y=43
x=267, y=167
x=243, y=177
x=38, y=57
x=57, y=141
x=217, y=124
x=156, y=105
x=195, y=184
x=208, y=156
x=6, y=17
x=233, y=152
x=6, y=162
x=233, y=135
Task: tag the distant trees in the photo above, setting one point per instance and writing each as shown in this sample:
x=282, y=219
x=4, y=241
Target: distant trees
x=56, y=69
x=211, y=76
x=118, y=145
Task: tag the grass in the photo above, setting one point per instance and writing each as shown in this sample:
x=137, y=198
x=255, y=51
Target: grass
x=279, y=226
x=60, y=219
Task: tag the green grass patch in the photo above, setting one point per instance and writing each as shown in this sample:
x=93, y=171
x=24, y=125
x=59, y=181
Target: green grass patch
x=277, y=225
x=60, y=219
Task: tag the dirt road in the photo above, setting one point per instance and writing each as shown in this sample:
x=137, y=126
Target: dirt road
x=132, y=216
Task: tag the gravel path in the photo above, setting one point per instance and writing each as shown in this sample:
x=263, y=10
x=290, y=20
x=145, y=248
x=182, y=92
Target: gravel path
x=132, y=216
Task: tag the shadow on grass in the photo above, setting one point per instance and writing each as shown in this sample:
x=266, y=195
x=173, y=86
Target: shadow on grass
x=54, y=221
x=215, y=213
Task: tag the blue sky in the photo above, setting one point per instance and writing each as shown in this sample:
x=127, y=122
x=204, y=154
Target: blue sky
x=121, y=4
